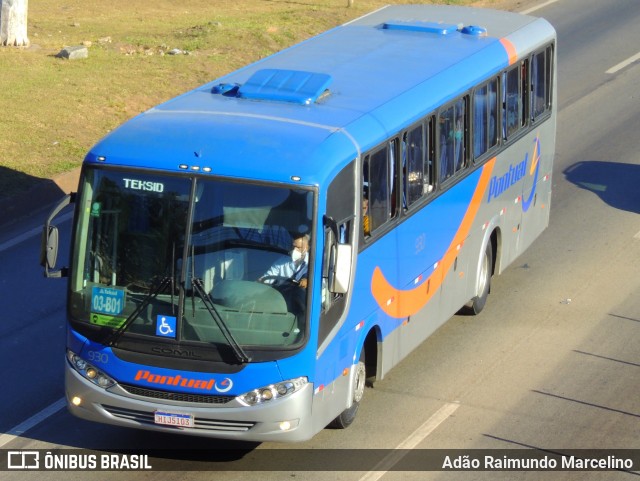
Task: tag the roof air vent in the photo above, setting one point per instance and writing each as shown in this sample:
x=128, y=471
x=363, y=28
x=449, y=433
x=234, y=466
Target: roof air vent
x=474, y=30
x=295, y=86
x=229, y=90
x=416, y=26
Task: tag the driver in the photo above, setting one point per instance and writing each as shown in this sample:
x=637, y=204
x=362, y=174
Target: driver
x=294, y=266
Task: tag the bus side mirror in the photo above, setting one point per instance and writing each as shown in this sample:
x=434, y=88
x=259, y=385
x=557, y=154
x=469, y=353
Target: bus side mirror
x=49, y=247
x=342, y=269
x=337, y=259
x=50, y=240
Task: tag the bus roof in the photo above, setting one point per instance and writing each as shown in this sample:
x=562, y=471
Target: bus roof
x=330, y=97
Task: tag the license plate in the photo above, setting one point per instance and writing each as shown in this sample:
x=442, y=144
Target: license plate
x=174, y=419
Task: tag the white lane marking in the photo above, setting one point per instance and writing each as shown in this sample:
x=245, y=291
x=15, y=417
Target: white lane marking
x=33, y=421
x=623, y=64
x=430, y=425
x=538, y=7
x=33, y=232
x=18, y=239
x=637, y=236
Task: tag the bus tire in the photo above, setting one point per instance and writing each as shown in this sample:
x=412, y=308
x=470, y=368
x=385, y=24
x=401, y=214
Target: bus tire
x=476, y=305
x=347, y=416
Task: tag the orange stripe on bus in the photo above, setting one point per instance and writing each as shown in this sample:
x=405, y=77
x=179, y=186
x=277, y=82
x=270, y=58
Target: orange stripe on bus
x=511, y=50
x=408, y=302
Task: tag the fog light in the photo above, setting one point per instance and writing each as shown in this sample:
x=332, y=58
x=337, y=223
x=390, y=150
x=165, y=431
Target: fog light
x=76, y=401
x=285, y=425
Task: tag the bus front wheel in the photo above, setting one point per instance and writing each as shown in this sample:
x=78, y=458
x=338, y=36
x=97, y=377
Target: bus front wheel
x=347, y=416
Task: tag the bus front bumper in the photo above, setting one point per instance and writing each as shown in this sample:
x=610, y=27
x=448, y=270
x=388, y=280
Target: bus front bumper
x=287, y=419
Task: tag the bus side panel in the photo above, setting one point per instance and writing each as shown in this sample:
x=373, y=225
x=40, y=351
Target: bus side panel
x=535, y=149
x=330, y=399
x=536, y=188
x=410, y=333
x=432, y=265
x=382, y=255
x=457, y=277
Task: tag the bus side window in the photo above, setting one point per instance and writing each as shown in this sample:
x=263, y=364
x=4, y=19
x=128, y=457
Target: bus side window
x=461, y=134
x=365, y=220
x=515, y=99
x=412, y=165
x=393, y=181
x=378, y=183
x=493, y=113
x=511, y=102
x=485, y=118
x=524, y=92
x=454, y=134
x=480, y=121
x=445, y=128
x=340, y=209
x=541, y=83
x=416, y=165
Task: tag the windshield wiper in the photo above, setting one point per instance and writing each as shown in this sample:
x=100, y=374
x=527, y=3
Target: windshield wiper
x=117, y=334
x=240, y=354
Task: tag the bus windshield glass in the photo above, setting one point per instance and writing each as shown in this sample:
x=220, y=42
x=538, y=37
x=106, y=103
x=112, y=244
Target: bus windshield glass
x=173, y=259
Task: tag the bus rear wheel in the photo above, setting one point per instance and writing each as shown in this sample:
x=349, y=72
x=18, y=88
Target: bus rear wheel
x=476, y=305
x=347, y=416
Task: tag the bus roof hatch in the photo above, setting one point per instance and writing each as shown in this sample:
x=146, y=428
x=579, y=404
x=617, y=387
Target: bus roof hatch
x=417, y=26
x=294, y=86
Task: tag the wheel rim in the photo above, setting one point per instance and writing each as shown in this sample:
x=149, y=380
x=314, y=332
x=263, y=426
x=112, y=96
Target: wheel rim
x=359, y=382
x=484, y=275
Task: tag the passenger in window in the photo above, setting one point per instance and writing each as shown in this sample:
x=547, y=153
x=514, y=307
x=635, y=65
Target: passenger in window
x=446, y=145
x=366, y=222
x=293, y=267
x=458, y=139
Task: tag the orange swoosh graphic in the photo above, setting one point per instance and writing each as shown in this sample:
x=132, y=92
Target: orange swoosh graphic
x=536, y=155
x=511, y=50
x=399, y=303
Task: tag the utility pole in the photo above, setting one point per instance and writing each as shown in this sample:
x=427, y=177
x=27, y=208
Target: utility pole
x=13, y=23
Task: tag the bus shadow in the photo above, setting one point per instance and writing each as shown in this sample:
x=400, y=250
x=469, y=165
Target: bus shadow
x=615, y=183
x=22, y=195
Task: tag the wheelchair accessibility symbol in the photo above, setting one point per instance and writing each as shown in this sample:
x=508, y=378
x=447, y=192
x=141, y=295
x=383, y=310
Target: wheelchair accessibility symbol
x=166, y=326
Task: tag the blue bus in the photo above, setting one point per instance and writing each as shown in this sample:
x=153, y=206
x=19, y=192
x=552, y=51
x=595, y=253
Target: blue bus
x=248, y=256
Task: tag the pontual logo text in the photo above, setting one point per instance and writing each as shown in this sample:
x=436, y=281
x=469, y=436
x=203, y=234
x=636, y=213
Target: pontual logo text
x=178, y=380
x=498, y=185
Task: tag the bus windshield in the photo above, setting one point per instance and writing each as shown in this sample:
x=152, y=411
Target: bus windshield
x=173, y=259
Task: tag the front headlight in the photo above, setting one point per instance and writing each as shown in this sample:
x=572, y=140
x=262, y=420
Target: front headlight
x=272, y=392
x=89, y=372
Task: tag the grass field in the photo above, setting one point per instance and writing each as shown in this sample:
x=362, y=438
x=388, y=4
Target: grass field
x=53, y=110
